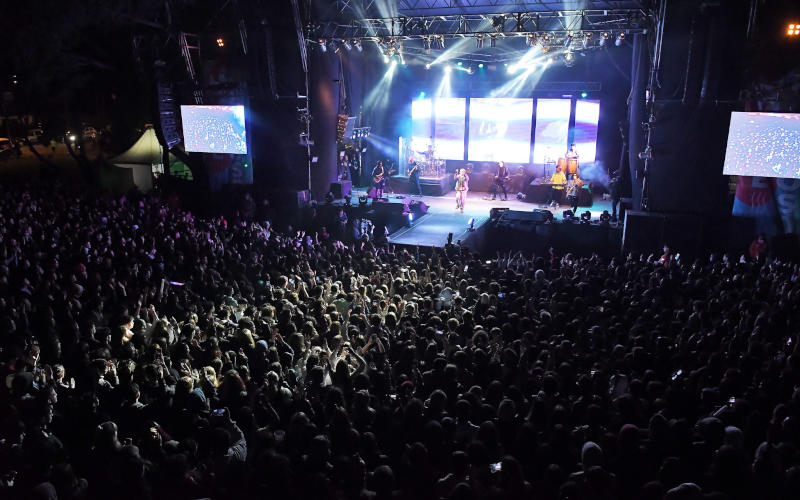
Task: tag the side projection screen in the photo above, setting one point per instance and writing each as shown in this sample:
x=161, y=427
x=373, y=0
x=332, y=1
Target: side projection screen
x=214, y=129
x=763, y=145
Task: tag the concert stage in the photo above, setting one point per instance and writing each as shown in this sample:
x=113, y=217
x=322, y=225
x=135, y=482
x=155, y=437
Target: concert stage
x=440, y=218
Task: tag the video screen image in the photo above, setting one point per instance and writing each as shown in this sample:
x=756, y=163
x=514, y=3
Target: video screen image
x=214, y=129
x=500, y=129
x=552, y=130
x=763, y=145
x=587, y=115
x=421, y=113
x=449, y=113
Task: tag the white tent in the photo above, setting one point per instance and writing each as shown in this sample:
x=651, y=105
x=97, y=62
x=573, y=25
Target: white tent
x=137, y=165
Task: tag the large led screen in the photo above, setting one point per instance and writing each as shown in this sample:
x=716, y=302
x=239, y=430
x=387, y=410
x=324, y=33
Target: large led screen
x=763, y=145
x=449, y=113
x=421, y=113
x=500, y=129
x=587, y=114
x=552, y=129
x=214, y=129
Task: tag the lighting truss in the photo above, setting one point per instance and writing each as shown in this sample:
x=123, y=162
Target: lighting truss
x=519, y=24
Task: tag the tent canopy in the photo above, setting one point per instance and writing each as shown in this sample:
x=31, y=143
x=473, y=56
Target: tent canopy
x=145, y=151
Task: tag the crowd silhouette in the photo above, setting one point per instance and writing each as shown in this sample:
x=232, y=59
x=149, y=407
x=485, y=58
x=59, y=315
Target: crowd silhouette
x=151, y=353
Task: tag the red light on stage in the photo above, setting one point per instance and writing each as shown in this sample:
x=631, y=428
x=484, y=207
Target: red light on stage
x=220, y=42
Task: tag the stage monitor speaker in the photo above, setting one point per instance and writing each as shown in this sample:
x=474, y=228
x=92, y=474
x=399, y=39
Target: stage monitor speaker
x=418, y=208
x=341, y=189
x=496, y=212
x=534, y=217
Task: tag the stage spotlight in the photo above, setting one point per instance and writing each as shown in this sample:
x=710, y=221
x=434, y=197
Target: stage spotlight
x=357, y=45
x=587, y=38
x=492, y=41
x=545, y=49
x=569, y=59
x=422, y=95
x=480, y=66
x=426, y=43
x=604, y=38
x=471, y=223
x=620, y=39
x=448, y=69
x=530, y=40
x=220, y=42
x=605, y=217
x=362, y=200
x=586, y=217
x=794, y=30
x=479, y=41
x=568, y=40
x=338, y=48
x=428, y=66
x=584, y=95
x=459, y=64
x=322, y=46
x=347, y=45
x=386, y=59
x=567, y=215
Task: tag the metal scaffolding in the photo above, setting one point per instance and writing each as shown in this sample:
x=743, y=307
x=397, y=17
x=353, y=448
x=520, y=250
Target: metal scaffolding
x=500, y=25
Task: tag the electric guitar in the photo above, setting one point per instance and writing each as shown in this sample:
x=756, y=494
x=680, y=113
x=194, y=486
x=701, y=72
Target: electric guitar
x=413, y=171
x=380, y=177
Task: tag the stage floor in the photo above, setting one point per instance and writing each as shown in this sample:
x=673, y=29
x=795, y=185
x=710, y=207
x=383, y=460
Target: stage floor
x=443, y=218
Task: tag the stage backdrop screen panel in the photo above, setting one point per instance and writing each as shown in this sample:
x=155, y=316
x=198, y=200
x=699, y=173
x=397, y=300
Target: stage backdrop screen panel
x=500, y=129
x=763, y=145
x=448, y=124
x=587, y=115
x=421, y=133
x=552, y=129
x=214, y=129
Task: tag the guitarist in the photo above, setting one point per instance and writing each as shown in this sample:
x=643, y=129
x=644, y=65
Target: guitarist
x=500, y=179
x=379, y=180
x=413, y=176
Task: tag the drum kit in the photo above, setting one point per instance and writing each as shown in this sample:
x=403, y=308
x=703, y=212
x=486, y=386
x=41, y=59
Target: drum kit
x=430, y=165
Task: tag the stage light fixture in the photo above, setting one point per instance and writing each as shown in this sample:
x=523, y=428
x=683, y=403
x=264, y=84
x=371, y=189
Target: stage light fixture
x=322, y=46
x=428, y=66
x=530, y=40
x=357, y=45
x=545, y=49
x=587, y=38
x=584, y=95
x=220, y=42
x=604, y=38
x=567, y=215
x=337, y=49
x=794, y=30
x=480, y=65
x=605, y=217
x=479, y=41
x=586, y=217
x=386, y=59
x=426, y=43
x=620, y=39
x=347, y=45
x=493, y=41
x=459, y=63
x=569, y=59
x=568, y=40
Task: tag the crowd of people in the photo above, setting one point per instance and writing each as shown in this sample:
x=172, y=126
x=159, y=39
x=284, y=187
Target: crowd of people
x=150, y=353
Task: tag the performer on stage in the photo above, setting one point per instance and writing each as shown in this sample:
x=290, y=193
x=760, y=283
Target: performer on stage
x=462, y=186
x=572, y=153
x=500, y=178
x=557, y=180
x=343, y=173
x=613, y=187
x=413, y=177
x=379, y=180
x=573, y=185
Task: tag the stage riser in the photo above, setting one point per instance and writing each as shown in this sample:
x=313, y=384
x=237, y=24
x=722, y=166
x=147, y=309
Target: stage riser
x=430, y=187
